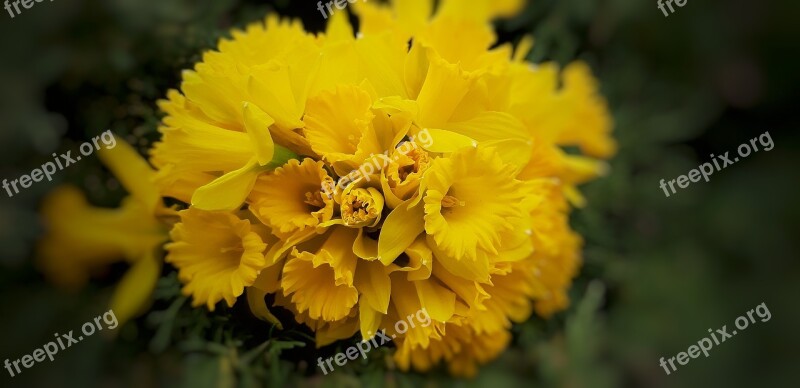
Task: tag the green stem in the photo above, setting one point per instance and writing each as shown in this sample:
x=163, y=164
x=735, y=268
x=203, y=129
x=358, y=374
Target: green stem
x=280, y=157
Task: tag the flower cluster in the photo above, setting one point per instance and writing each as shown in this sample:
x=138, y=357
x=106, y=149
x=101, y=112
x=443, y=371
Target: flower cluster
x=467, y=217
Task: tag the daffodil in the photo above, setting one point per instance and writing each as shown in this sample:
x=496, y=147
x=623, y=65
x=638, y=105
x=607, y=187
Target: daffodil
x=361, y=206
x=217, y=255
x=402, y=175
x=293, y=197
x=82, y=239
x=471, y=198
x=321, y=282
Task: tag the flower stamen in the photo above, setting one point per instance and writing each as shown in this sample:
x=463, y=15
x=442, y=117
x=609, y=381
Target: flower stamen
x=314, y=199
x=450, y=201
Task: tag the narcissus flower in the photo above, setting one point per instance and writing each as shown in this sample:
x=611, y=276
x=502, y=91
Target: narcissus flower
x=291, y=198
x=471, y=198
x=370, y=223
x=321, y=283
x=361, y=177
x=82, y=239
x=217, y=255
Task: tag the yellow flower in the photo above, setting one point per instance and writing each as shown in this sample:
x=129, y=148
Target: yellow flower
x=385, y=177
x=361, y=179
x=217, y=255
x=335, y=130
x=82, y=240
x=361, y=206
x=558, y=252
x=225, y=124
x=293, y=197
x=347, y=135
x=322, y=282
x=401, y=177
x=589, y=126
x=471, y=198
x=462, y=349
x=327, y=332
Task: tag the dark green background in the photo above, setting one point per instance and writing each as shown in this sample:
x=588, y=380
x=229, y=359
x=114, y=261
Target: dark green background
x=658, y=271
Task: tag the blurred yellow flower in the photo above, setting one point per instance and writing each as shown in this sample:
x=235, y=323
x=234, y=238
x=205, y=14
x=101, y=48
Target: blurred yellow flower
x=82, y=239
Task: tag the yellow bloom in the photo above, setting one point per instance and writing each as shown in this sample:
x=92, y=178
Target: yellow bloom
x=217, y=255
x=558, y=252
x=322, y=282
x=461, y=348
x=335, y=130
x=590, y=124
x=401, y=177
x=326, y=332
x=361, y=206
x=360, y=179
x=471, y=198
x=232, y=115
x=82, y=240
x=346, y=135
x=293, y=197
x=359, y=221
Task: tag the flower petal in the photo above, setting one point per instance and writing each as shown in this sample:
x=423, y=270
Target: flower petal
x=255, y=299
x=228, y=192
x=256, y=124
x=438, y=301
x=132, y=295
x=133, y=172
x=373, y=283
x=446, y=141
x=399, y=230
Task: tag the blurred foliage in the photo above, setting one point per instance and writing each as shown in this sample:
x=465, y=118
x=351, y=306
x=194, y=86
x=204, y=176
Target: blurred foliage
x=658, y=271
